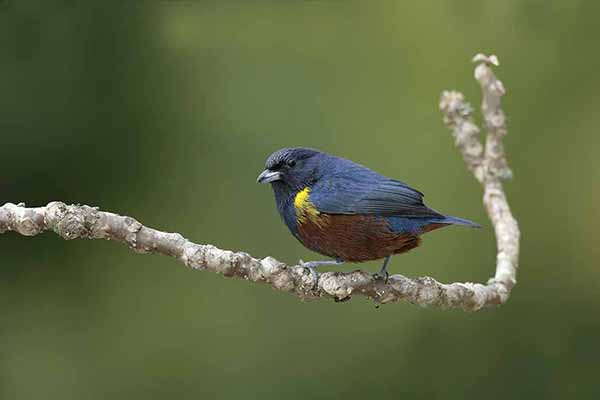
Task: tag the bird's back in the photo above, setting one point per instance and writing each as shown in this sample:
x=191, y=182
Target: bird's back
x=345, y=187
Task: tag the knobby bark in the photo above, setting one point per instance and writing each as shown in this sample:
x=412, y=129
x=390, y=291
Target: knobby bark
x=486, y=161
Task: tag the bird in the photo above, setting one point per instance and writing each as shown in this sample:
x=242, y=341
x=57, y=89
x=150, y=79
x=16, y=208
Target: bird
x=346, y=211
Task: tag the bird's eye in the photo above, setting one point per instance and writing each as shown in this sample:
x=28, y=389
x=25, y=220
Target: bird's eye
x=291, y=163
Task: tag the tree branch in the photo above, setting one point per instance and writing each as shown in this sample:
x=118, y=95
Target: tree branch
x=488, y=165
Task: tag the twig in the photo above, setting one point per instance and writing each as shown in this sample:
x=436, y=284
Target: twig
x=489, y=167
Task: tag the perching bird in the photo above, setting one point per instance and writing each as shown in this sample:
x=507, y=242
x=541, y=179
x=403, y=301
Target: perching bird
x=346, y=211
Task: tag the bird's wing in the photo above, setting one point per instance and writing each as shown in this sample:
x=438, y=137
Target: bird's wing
x=362, y=191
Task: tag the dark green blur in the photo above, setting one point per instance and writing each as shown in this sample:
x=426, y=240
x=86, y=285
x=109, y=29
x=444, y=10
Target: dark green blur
x=167, y=111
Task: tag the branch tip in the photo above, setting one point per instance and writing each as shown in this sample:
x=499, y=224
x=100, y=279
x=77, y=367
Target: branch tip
x=489, y=60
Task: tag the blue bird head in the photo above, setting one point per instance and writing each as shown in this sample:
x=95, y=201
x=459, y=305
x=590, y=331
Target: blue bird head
x=292, y=169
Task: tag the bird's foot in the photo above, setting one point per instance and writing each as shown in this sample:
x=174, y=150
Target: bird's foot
x=312, y=267
x=383, y=274
x=313, y=273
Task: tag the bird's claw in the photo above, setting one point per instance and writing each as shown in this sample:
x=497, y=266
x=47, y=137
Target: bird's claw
x=313, y=273
x=382, y=276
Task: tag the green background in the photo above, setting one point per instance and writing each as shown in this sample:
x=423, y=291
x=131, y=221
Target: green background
x=167, y=111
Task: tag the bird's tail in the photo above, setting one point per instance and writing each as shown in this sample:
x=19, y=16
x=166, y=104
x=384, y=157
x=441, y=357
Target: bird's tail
x=460, y=221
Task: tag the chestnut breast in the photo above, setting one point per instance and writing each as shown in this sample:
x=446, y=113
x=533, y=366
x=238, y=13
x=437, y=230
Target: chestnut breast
x=354, y=238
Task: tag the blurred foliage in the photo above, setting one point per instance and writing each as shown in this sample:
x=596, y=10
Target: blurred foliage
x=166, y=111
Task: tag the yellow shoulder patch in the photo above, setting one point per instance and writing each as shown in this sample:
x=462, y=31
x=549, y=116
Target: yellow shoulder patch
x=304, y=207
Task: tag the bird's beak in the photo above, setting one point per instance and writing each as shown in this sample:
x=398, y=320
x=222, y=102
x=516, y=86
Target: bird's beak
x=268, y=176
